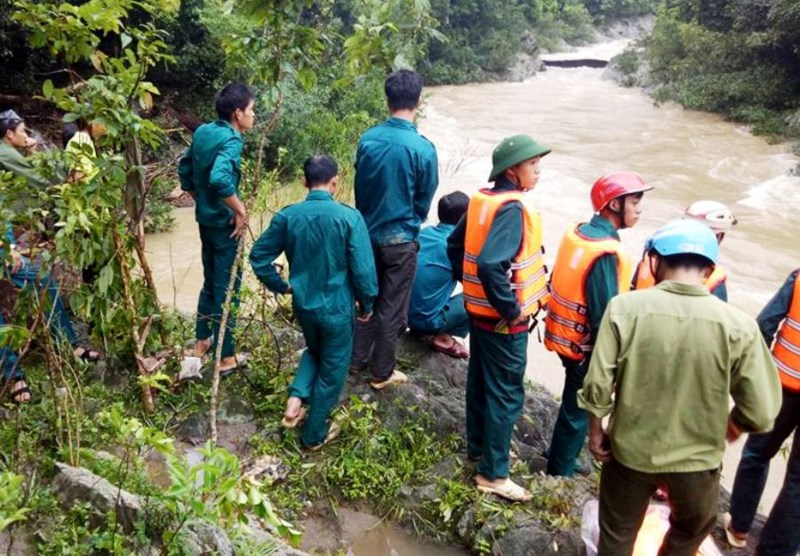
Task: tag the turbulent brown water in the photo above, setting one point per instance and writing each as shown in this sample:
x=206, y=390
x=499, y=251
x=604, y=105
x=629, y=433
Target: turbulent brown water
x=593, y=127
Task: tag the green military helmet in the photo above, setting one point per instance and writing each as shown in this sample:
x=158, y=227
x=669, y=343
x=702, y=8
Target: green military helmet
x=513, y=150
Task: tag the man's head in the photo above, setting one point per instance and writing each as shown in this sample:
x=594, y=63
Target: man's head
x=683, y=250
x=321, y=172
x=713, y=214
x=618, y=198
x=452, y=207
x=12, y=129
x=234, y=104
x=517, y=158
x=403, y=89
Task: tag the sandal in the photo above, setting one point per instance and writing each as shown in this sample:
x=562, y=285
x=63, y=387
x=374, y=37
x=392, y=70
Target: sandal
x=240, y=362
x=18, y=393
x=87, y=354
x=333, y=434
x=508, y=490
x=735, y=539
x=454, y=349
x=292, y=422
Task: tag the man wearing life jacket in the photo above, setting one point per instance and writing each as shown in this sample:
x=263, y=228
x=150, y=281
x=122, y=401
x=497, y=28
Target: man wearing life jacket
x=666, y=362
x=720, y=219
x=781, y=534
x=496, y=251
x=590, y=269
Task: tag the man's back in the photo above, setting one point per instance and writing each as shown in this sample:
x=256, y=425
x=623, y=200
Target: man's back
x=396, y=177
x=434, y=282
x=676, y=353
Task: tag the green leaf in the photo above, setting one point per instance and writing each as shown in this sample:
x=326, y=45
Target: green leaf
x=125, y=39
x=47, y=88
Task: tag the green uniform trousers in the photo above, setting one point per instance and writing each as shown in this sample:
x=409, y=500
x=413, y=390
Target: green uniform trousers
x=625, y=494
x=218, y=254
x=322, y=372
x=495, y=396
x=572, y=423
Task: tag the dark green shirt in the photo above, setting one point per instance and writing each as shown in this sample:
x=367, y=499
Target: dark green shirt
x=211, y=169
x=331, y=264
x=11, y=160
x=494, y=262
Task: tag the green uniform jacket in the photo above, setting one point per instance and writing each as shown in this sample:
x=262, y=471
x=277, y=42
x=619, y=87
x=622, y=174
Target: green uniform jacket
x=210, y=168
x=664, y=363
x=330, y=258
x=11, y=160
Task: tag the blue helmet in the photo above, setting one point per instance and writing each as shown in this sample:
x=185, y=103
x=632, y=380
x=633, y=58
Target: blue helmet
x=684, y=237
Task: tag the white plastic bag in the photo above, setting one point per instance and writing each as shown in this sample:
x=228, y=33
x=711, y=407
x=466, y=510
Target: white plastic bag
x=651, y=534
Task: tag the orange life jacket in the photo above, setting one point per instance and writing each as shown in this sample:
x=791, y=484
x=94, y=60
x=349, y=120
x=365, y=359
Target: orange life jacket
x=645, y=279
x=786, y=349
x=567, y=321
x=528, y=275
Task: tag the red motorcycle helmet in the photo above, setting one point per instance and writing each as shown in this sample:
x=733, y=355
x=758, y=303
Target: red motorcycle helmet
x=616, y=185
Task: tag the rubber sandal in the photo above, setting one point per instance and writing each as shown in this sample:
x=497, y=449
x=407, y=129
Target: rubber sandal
x=288, y=423
x=397, y=377
x=736, y=540
x=89, y=355
x=241, y=363
x=455, y=349
x=14, y=394
x=333, y=434
x=508, y=490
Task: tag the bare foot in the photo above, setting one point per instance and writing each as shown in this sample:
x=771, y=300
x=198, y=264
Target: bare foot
x=483, y=481
x=201, y=347
x=293, y=405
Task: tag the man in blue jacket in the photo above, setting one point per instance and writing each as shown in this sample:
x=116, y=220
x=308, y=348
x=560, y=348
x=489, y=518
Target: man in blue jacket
x=396, y=178
x=328, y=249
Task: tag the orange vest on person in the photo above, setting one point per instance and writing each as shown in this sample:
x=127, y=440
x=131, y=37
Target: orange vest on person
x=786, y=349
x=645, y=279
x=567, y=322
x=528, y=275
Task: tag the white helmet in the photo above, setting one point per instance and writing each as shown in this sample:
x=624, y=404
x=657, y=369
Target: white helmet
x=714, y=214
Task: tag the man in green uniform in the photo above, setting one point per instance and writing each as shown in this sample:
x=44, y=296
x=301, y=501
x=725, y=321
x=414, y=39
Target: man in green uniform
x=331, y=267
x=210, y=172
x=14, y=140
x=498, y=343
x=665, y=362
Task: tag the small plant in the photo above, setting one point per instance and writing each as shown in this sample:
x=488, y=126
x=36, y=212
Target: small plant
x=12, y=495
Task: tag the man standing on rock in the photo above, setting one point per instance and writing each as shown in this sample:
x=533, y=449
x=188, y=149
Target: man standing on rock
x=496, y=251
x=781, y=534
x=396, y=177
x=664, y=364
x=591, y=268
x=210, y=172
x=331, y=267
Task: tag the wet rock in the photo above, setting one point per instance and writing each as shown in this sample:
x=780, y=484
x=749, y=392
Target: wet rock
x=534, y=539
x=203, y=539
x=75, y=483
x=194, y=429
x=266, y=468
x=234, y=409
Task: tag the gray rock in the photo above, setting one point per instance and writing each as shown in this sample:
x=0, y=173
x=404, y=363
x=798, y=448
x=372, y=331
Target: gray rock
x=194, y=429
x=75, y=483
x=203, y=539
x=534, y=539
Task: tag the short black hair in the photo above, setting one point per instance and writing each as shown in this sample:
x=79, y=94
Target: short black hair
x=68, y=131
x=319, y=169
x=403, y=89
x=686, y=260
x=452, y=207
x=232, y=97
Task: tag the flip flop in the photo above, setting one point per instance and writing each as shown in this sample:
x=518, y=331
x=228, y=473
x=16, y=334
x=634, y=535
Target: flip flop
x=15, y=394
x=508, y=490
x=241, y=363
x=291, y=423
x=333, y=434
x=455, y=349
x=397, y=377
x=736, y=540
x=89, y=355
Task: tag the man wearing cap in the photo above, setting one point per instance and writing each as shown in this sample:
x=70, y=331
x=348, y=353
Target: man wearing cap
x=496, y=251
x=665, y=362
x=15, y=139
x=591, y=268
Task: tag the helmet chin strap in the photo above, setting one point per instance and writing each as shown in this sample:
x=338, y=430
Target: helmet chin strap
x=620, y=214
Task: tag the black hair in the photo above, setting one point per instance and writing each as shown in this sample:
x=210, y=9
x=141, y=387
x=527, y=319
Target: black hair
x=685, y=260
x=68, y=131
x=403, y=89
x=6, y=125
x=319, y=169
x=452, y=207
x=232, y=97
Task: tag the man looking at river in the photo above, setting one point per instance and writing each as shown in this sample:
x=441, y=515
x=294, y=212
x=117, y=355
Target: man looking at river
x=210, y=172
x=664, y=364
x=397, y=172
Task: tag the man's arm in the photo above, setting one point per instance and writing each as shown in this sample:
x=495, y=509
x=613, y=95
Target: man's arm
x=427, y=182
x=602, y=284
x=264, y=252
x=776, y=309
x=494, y=261
x=362, y=265
x=21, y=166
x=186, y=171
x=455, y=248
x=224, y=180
x=755, y=387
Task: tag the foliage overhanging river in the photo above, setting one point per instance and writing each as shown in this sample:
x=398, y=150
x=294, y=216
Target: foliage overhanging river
x=593, y=127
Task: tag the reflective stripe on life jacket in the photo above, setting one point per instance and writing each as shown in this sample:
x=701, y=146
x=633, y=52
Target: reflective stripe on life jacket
x=567, y=321
x=786, y=349
x=528, y=275
x=645, y=279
